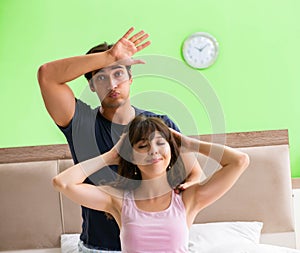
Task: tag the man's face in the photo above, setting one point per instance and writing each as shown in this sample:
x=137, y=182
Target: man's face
x=111, y=85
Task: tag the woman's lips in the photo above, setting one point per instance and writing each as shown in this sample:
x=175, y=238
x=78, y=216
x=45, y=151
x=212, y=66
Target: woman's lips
x=154, y=160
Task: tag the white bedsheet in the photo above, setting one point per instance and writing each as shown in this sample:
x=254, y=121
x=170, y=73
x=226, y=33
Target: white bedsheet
x=250, y=248
x=69, y=244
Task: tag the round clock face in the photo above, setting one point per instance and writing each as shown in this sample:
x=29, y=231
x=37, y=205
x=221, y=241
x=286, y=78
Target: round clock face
x=200, y=50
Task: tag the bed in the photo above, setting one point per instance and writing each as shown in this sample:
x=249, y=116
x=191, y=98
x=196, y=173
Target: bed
x=256, y=215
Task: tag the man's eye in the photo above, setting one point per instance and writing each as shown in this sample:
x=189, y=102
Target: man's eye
x=100, y=78
x=119, y=73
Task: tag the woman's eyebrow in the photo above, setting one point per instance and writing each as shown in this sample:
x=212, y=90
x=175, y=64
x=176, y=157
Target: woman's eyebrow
x=143, y=139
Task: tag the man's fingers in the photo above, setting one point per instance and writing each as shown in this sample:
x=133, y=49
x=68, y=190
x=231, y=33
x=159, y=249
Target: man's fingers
x=137, y=61
x=126, y=35
x=136, y=36
x=146, y=44
x=127, y=62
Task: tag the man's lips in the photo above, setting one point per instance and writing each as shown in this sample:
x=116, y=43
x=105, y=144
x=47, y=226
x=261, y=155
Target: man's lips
x=113, y=94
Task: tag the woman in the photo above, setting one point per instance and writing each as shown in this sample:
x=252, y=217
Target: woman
x=151, y=217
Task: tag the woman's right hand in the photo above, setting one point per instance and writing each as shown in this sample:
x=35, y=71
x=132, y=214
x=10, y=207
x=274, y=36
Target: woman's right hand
x=114, y=153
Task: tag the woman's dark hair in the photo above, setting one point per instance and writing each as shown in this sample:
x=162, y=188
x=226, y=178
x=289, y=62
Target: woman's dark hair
x=143, y=127
x=98, y=49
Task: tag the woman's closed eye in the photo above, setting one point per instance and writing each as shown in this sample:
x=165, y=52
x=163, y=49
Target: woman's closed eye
x=142, y=146
x=160, y=143
x=145, y=146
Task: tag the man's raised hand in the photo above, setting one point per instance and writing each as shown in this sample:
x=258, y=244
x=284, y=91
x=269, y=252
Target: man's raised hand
x=127, y=46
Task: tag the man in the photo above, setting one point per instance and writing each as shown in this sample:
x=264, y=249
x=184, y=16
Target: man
x=90, y=132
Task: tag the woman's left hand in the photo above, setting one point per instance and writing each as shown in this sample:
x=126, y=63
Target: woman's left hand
x=183, y=187
x=188, y=144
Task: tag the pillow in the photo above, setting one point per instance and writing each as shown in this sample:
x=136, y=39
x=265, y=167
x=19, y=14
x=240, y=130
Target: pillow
x=69, y=243
x=209, y=235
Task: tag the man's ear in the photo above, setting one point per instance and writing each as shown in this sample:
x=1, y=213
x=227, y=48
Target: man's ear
x=91, y=85
x=130, y=75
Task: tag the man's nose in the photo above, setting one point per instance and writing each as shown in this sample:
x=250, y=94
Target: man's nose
x=112, y=83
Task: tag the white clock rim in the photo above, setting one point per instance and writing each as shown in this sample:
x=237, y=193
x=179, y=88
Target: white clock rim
x=197, y=34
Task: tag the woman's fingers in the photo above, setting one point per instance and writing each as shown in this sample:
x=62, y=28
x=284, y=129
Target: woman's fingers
x=175, y=133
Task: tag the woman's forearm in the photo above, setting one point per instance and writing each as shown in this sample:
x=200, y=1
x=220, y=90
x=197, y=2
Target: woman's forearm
x=224, y=155
x=221, y=153
x=79, y=172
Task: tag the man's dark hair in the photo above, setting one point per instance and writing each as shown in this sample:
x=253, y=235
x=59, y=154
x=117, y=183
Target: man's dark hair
x=98, y=49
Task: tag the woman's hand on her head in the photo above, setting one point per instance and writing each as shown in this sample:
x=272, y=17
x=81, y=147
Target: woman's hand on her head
x=183, y=186
x=126, y=47
x=114, y=153
x=188, y=144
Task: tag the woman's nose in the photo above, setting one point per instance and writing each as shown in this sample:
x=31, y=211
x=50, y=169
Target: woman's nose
x=153, y=151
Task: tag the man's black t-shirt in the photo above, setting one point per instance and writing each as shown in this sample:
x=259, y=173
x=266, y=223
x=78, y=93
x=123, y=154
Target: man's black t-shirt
x=89, y=134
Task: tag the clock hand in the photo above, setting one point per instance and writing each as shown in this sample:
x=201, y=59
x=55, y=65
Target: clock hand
x=201, y=49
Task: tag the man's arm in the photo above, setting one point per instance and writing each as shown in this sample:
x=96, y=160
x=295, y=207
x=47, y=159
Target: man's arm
x=53, y=76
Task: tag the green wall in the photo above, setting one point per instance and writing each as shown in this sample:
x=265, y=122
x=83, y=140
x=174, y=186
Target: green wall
x=255, y=77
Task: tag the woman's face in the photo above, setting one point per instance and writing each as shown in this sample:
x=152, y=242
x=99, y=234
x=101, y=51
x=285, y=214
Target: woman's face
x=152, y=155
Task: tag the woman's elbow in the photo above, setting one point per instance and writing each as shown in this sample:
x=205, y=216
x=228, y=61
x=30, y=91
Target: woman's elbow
x=58, y=184
x=243, y=161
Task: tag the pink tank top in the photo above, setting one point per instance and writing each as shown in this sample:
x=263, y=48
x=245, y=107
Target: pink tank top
x=164, y=231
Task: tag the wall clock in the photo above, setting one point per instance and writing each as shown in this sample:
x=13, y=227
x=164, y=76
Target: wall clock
x=200, y=50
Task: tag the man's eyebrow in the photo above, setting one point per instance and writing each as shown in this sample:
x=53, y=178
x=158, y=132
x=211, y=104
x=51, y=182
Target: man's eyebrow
x=112, y=67
x=117, y=67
